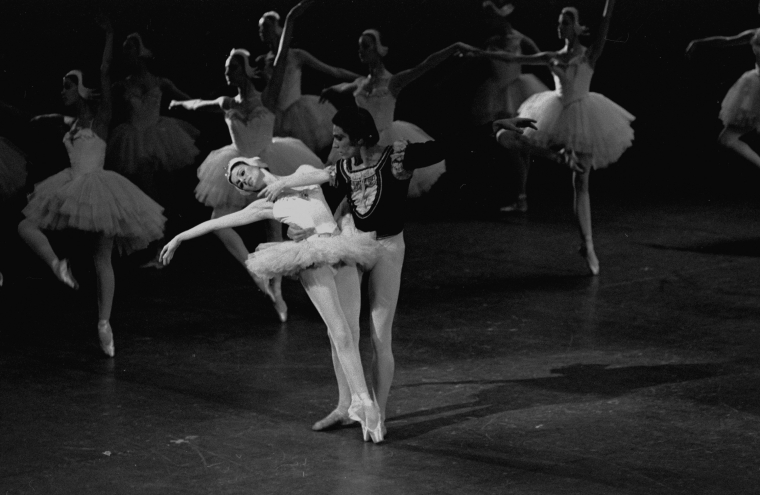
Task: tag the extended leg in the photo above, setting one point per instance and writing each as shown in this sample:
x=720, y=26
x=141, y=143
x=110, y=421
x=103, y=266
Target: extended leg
x=731, y=139
x=39, y=243
x=582, y=209
x=106, y=285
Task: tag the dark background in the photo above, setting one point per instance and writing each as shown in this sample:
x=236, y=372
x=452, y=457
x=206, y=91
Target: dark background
x=676, y=101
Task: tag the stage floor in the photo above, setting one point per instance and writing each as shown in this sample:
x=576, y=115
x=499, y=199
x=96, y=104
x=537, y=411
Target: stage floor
x=516, y=372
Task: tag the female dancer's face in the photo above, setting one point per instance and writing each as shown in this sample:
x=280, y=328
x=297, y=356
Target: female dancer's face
x=69, y=93
x=343, y=144
x=367, y=49
x=267, y=31
x=246, y=177
x=131, y=50
x=566, y=26
x=234, y=72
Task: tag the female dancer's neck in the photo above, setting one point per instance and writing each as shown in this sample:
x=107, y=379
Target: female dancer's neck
x=377, y=69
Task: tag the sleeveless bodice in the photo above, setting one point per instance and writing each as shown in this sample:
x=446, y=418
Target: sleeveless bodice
x=379, y=102
x=306, y=208
x=144, y=106
x=572, y=81
x=251, y=125
x=291, y=84
x=87, y=151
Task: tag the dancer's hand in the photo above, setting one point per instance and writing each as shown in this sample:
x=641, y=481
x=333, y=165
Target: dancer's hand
x=299, y=9
x=463, y=49
x=517, y=124
x=324, y=96
x=167, y=253
x=272, y=191
x=691, y=49
x=175, y=104
x=572, y=161
x=298, y=234
x=104, y=22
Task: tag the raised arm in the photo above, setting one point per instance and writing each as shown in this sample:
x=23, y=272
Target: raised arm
x=541, y=58
x=308, y=60
x=743, y=38
x=105, y=110
x=272, y=91
x=595, y=50
x=400, y=80
x=216, y=105
x=254, y=212
x=305, y=175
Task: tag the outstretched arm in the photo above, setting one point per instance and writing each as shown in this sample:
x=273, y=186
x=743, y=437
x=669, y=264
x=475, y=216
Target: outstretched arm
x=339, y=89
x=105, y=111
x=541, y=58
x=305, y=175
x=216, y=105
x=400, y=80
x=258, y=210
x=595, y=50
x=308, y=60
x=272, y=91
x=168, y=87
x=742, y=38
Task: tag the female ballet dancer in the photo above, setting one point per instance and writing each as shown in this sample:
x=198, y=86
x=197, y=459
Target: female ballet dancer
x=378, y=92
x=250, y=118
x=87, y=198
x=740, y=110
x=325, y=262
x=148, y=145
x=374, y=179
x=300, y=116
x=593, y=130
x=505, y=90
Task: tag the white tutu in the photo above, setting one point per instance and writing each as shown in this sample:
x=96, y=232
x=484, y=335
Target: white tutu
x=167, y=144
x=519, y=90
x=308, y=120
x=12, y=169
x=592, y=124
x=98, y=201
x=289, y=257
x=741, y=105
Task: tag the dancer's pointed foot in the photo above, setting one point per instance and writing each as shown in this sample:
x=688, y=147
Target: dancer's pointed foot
x=520, y=206
x=264, y=286
x=591, y=260
x=366, y=411
x=62, y=271
x=106, y=338
x=336, y=419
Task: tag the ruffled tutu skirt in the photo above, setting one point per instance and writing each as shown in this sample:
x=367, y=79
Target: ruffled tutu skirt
x=741, y=105
x=101, y=201
x=289, y=257
x=309, y=121
x=423, y=178
x=522, y=88
x=593, y=125
x=12, y=169
x=167, y=145
x=283, y=156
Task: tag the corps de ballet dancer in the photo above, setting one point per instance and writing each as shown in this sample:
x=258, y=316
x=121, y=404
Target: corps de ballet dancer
x=377, y=93
x=325, y=262
x=501, y=94
x=740, y=109
x=374, y=179
x=300, y=116
x=250, y=117
x=86, y=198
x=593, y=130
x=148, y=145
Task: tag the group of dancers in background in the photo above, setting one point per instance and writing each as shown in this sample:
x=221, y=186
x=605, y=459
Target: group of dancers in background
x=285, y=145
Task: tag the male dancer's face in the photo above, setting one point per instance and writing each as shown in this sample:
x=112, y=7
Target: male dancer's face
x=343, y=144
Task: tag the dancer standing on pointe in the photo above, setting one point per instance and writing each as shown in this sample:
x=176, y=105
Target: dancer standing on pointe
x=593, y=130
x=374, y=179
x=325, y=262
x=300, y=116
x=501, y=95
x=250, y=118
x=377, y=93
x=87, y=198
x=740, y=110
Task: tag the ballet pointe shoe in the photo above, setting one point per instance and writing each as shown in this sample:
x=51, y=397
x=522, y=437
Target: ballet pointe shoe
x=62, y=271
x=106, y=338
x=591, y=260
x=336, y=419
x=519, y=206
x=367, y=413
x=279, y=303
